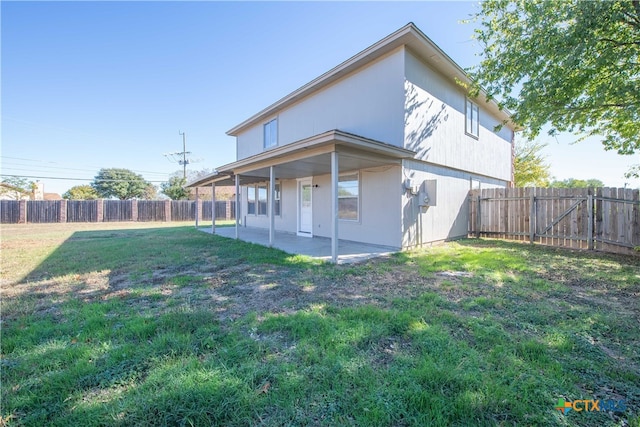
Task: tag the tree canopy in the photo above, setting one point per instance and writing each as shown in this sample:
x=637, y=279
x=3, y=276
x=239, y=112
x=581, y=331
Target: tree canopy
x=81, y=192
x=123, y=184
x=17, y=187
x=530, y=168
x=572, y=65
x=174, y=188
x=577, y=183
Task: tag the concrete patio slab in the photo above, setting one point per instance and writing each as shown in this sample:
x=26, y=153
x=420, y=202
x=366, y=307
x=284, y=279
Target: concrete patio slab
x=315, y=247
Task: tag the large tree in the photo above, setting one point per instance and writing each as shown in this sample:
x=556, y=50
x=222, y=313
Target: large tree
x=81, y=192
x=572, y=65
x=174, y=188
x=530, y=168
x=150, y=193
x=120, y=183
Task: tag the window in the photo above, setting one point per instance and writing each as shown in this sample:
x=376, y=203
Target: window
x=348, y=197
x=473, y=124
x=271, y=133
x=251, y=200
x=262, y=199
x=276, y=201
x=258, y=199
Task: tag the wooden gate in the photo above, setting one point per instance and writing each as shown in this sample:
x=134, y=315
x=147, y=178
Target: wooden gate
x=606, y=219
x=563, y=217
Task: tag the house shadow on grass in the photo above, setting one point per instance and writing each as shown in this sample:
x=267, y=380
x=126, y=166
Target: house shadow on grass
x=378, y=343
x=143, y=251
x=93, y=265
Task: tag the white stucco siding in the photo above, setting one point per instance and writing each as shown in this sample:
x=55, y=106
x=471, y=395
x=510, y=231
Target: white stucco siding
x=369, y=102
x=380, y=216
x=286, y=221
x=435, y=125
x=449, y=218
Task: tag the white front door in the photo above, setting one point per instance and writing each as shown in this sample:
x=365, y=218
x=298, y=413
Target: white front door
x=305, y=209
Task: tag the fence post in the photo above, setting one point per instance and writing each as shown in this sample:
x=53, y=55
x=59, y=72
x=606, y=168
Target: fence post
x=478, y=216
x=590, y=221
x=100, y=210
x=532, y=216
x=62, y=211
x=213, y=208
x=228, y=210
x=134, y=210
x=22, y=212
x=197, y=207
x=167, y=210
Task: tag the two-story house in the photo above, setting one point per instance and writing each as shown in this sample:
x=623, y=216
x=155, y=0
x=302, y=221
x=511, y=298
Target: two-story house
x=382, y=149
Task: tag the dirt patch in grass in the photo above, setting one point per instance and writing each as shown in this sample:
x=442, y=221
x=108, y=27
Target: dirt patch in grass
x=176, y=321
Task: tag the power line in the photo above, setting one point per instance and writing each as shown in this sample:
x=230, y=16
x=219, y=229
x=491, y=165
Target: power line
x=175, y=157
x=38, y=168
x=86, y=170
x=69, y=179
x=35, y=168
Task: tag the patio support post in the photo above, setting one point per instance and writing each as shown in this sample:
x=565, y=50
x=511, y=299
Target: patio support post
x=213, y=208
x=237, y=206
x=197, y=207
x=334, y=207
x=272, y=191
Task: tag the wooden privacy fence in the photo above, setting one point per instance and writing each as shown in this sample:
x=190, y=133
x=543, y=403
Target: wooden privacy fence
x=49, y=211
x=82, y=211
x=605, y=219
x=9, y=212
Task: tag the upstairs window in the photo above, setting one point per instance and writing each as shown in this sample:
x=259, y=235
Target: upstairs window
x=271, y=133
x=473, y=123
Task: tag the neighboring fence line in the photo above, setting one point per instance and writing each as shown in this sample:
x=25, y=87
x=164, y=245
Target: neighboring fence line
x=604, y=219
x=82, y=211
x=52, y=211
x=9, y=212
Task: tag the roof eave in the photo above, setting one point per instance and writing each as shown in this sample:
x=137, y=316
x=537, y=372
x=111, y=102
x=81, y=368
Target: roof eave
x=410, y=36
x=372, y=52
x=207, y=179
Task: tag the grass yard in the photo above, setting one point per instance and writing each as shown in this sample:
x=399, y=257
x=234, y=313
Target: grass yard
x=148, y=324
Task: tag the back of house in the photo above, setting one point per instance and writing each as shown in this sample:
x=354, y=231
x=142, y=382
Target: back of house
x=382, y=149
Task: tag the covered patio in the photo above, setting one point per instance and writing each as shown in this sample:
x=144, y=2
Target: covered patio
x=329, y=153
x=315, y=247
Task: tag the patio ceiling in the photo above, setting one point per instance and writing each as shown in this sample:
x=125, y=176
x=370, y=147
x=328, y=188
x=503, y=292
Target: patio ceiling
x=309, y=157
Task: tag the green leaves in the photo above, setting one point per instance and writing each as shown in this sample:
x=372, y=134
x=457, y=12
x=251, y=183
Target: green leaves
x=529, y=166
x=174, y=188
x=16, y=187
x=81, y=192
x=120, y=183
x=577, y=183
x=572, y=64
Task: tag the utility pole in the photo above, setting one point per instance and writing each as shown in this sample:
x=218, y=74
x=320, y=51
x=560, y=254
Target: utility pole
x=184, y=154
x=181, y=156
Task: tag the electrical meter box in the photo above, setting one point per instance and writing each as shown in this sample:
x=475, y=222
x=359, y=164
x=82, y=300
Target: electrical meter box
x=428, y=195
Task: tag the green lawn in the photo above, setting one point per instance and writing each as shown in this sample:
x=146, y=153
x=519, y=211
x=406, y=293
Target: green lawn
x=148, y=324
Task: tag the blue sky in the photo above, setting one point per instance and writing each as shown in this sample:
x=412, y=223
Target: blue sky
x=87, y=85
